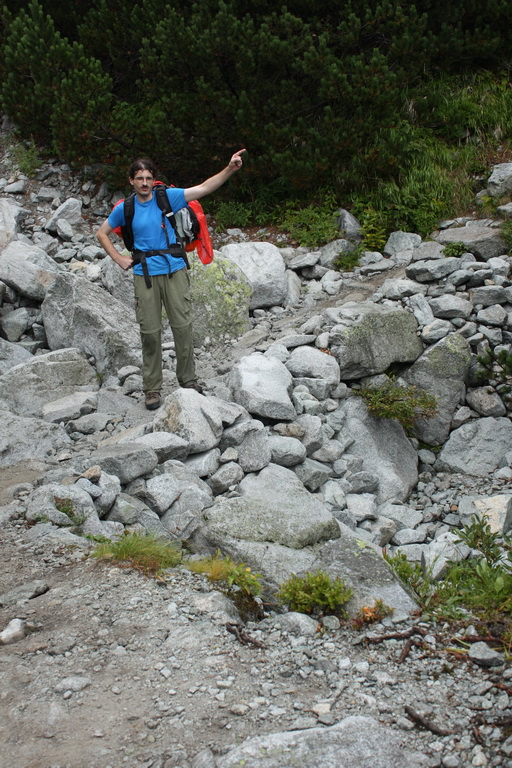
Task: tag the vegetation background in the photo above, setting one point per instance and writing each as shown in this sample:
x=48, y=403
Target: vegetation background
x=394, y=110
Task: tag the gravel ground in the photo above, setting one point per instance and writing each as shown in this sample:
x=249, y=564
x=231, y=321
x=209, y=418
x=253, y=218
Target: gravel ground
x=123, y=670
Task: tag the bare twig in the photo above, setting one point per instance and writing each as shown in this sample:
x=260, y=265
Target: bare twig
x=242, y=636
x=395, y=635
x=405, y=651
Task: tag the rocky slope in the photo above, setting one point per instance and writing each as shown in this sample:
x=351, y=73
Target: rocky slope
x=279, y=465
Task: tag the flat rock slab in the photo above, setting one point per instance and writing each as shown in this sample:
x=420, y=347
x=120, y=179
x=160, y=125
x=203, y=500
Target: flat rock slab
x=484, y=242
x=355, y=742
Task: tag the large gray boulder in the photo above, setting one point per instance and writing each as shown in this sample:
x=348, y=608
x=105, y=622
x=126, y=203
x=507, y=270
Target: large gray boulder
x=432, y=269
x=354, y=742
x=311, y=366
x=70, y=211
x=165, y=489
x=118, y=282
x=264, y=267
x=359, y=565
x=500, y=180
x=440, y=371
x=262, y=385
x=478, y=447
x=367, y=338
x=10, y=216
x=135, y=515
x=23, y=439
x=384, y=448
x=496, y=511
x=27, y=269
x=252, y=445
x=399, y=241
x=11, y=355
x=67, y=506
x=28, y=387
x=193, y=417
x=127, y=462
x=79, y=313
x=273, y=507
x=482, y=241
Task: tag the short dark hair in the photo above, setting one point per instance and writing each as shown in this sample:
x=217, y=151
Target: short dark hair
x=142, y=164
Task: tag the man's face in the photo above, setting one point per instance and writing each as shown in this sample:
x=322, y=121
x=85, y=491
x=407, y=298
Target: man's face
x=142, y=183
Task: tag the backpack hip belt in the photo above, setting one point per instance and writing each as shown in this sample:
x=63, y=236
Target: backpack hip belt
x=139, y=257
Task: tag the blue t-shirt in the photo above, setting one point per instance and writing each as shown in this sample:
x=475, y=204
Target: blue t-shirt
x=148, y=234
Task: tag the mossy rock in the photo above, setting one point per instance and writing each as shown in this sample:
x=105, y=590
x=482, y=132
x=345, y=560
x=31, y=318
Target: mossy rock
x=221, y=296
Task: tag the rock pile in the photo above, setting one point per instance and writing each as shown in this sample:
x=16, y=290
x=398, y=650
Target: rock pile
x=280, y=464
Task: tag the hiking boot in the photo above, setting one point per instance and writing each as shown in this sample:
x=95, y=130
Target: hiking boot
x=153, y=401
x=194, y=385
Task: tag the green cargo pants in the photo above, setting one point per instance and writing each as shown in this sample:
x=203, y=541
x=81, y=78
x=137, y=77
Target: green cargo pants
x=173, y=293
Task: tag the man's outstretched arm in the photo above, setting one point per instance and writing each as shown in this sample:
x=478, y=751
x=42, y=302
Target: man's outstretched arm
x=214, y=182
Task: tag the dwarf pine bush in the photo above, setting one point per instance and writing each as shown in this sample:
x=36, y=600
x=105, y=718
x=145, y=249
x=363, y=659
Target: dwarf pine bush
x=315, y=593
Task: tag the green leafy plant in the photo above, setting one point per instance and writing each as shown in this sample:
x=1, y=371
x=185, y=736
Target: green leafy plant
x=506, y=234
x=345, y=262
x=456, y=249
x=236, y=580
x=478, y=534
x=375, y=225
x=316, y=593
x=143, y=552
x=231, y=213
x=25, y=156
x=493, y=570
x=412, y=575
x=311, y=225
x=480, y=586
x=405, y=404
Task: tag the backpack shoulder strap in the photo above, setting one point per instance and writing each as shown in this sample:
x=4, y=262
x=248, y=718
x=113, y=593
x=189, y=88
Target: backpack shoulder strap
x=160, y=191
x=127, y=229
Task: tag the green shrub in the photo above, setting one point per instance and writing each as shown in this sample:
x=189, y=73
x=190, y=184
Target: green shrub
x=480, y=586
x=455, y=250
x=25, y=157
x=312, y=225
x=227, y=571
x=315, y=593
x=375, y=226
x=232, y=214
x=506, y=233
x=477, y=534
x=405, y=404
x=412, y=575
x=345, y=262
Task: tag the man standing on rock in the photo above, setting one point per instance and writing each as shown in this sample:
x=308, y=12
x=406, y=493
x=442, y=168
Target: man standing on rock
x=150, y=237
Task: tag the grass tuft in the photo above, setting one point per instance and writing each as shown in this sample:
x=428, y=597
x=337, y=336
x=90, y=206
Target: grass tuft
x=143, y=552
